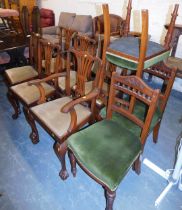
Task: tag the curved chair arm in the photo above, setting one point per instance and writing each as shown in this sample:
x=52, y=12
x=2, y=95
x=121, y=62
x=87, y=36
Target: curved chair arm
x=90, y=96
x=69, y=107
x=46, y=79
x=37, y=83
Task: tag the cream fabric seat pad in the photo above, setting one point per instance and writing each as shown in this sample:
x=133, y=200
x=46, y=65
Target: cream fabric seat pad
x=30, y=94
x=58, y=122
x=53, y=60
x=173, y=62
x=61, y=80
x=20, y=74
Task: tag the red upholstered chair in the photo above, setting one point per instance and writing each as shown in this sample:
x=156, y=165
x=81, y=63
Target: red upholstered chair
x=47, y=17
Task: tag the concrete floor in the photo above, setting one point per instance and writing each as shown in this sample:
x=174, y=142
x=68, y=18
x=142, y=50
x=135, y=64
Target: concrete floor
x=29, y=173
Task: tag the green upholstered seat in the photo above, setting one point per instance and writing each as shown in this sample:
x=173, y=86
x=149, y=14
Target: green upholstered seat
x=106, y=150
x=124, y=52
x=139, y=111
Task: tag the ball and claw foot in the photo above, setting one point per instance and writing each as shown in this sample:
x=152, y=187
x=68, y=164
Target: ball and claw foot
x=63, y=174
x=34, y=138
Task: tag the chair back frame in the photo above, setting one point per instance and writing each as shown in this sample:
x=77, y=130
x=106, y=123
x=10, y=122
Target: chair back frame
x=84, y=62
x=136, y=89
x=46, y=49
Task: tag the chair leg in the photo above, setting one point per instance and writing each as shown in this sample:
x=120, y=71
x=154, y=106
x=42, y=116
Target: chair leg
x=72, y=162
x=137, y=165
x=110, y=196
x=34, y=135
x=15, y=104
x=156, y=132
x=60, y=150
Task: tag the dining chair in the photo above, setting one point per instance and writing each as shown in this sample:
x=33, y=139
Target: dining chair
x=27, y=95
x=107, y=149
x=136, y=53
x=16, y=75
x=80, y=42
x=49, y=114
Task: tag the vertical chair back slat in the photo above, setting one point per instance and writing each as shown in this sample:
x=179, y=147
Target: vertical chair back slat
x=46, y=52
x=84, y=62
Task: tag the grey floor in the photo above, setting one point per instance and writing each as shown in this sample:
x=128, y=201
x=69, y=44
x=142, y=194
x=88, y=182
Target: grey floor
x=29, y=173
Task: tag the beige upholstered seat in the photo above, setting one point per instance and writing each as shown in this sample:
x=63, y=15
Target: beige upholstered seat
x=30, y=94
x=20, y=74
x=50, y=114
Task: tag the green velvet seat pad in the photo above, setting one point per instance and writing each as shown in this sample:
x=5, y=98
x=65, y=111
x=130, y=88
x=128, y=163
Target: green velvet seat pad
x=129, y=47
x=106, y=150
x=139, y=111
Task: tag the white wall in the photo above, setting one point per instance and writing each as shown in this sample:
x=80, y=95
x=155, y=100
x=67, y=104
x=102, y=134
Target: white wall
x=159, y=14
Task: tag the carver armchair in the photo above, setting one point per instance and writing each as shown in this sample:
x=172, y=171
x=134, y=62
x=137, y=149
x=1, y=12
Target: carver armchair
x=49, y=114
x=107, y=149
x=86, y=44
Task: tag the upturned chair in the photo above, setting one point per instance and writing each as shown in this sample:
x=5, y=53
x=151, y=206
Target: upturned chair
x=135, y=53
x=27, y=95
x=48, y=114
x=145, y=63
x=21, y=74
x=107, y=149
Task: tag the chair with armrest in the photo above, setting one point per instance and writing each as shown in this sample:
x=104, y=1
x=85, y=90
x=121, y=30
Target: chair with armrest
x=27, y=95
x=107, y=149
x=49, y=115
x=80, y=43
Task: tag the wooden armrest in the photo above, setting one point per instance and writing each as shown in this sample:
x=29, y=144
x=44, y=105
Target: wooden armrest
x=51, y=77
x=41, y=89
x=70, y=105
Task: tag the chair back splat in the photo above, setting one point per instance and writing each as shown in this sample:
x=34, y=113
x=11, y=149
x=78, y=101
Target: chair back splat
x=84, y=63
x=84, y=43
x=132, y=91
x=49, y=57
